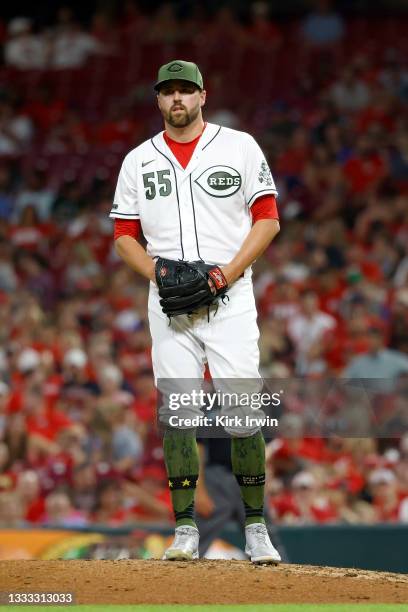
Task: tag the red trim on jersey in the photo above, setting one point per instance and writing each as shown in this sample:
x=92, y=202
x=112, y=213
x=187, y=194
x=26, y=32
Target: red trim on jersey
x=264, y=208
x=127, y=227
x=182, y=151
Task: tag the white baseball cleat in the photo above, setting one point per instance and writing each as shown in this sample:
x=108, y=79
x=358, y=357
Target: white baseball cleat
x=184, y=546
x=259, y=547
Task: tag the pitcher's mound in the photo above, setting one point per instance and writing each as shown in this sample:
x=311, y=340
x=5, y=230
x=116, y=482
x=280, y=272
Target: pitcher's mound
x=201, y=582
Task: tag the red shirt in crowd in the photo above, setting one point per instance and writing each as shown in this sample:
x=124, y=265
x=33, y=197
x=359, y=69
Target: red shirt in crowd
x=47, y=423
x=386, y=512
x=312, y=449
x=35, y=511
x=364, y=173
x=30, y=237
x=320, y=511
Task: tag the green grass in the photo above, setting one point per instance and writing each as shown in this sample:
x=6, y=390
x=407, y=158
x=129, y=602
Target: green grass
x=346, y=607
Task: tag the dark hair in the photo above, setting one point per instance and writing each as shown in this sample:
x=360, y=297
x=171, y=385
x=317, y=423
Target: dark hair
x=103, y=486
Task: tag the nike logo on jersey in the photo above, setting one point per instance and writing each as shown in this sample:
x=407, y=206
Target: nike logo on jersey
x=147, y=163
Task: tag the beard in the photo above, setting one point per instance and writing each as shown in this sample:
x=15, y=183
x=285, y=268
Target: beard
x=181, y=119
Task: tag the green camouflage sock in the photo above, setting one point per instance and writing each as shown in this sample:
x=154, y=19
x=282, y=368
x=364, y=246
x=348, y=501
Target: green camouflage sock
x=248, y=465
x=182, y=464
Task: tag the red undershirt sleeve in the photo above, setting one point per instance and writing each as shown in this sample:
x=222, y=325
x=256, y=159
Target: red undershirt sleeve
x=264, y=208
x=127, y=227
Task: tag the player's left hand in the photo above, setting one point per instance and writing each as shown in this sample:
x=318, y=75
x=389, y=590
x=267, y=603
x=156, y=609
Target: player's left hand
x=186, y=286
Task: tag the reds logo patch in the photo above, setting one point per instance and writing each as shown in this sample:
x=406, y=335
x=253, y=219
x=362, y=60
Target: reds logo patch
x=220, y=181
x=163, y=271
x=175, y=67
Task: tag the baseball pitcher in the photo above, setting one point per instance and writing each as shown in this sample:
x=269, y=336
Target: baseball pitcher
x=204, y=198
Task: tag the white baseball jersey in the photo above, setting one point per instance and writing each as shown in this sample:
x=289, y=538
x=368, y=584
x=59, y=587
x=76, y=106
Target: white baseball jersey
x=202, y=211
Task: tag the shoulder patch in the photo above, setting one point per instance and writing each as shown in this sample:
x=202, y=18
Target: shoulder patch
x=265, y=176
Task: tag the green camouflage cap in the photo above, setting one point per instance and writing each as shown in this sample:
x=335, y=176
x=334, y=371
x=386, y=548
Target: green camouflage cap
x=179, y=70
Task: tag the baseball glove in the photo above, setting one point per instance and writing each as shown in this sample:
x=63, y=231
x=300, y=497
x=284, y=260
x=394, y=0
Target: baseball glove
x=186, y=286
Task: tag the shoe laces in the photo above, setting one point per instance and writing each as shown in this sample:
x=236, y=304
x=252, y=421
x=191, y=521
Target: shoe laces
x=260, y=533
x=182, y=536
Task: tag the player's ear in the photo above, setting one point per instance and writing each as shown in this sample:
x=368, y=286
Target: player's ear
x=203, y=96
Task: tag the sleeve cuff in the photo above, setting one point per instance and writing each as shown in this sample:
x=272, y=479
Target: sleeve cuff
x=260, y=193
x=117, y=215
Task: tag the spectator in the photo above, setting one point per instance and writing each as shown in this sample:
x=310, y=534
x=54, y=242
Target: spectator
x=145, y=403
x=322, y=174
x=118, y=130
x=110, y=508
x=35, y=193
x=23, y=49
x=8, y=276
x=387, y=498
x=29, y=491
x=4, y=399
x=324, y=26
x=292, y=161
x=399, y=323
x=225, y=26
x=126, y=444
x=350, y=94
x=380, y=115
x=17, y=440
x=6, y=193
x=104, y=30
x=380, y=363
x=30, y=234
x=6, y=478
x=403, y=511
x=59, y=511
x=164, y=27
x=274, y=343
x=84, y=272
x=365, y=170
x=28, y=362
x=399, y=161
x=75, y=376
x=11, y=511
x=16, y=130
x=150, y=495
x=37, y=279
x=292, y=451
x=44, y=423
x=71, y=46
x=68, y=204
x=84, y=482
x=310, y=331
x=45, y=109
x=306, y=504
x=132, y=19
x=264, y=33
x=69, y=135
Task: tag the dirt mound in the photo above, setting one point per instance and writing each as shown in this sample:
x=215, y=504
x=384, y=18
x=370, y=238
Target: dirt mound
x=207, y=582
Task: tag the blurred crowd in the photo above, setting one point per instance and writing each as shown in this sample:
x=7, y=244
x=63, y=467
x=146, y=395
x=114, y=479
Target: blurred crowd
x=327, y=98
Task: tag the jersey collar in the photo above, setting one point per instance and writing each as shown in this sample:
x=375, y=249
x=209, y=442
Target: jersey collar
x=210, y=133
